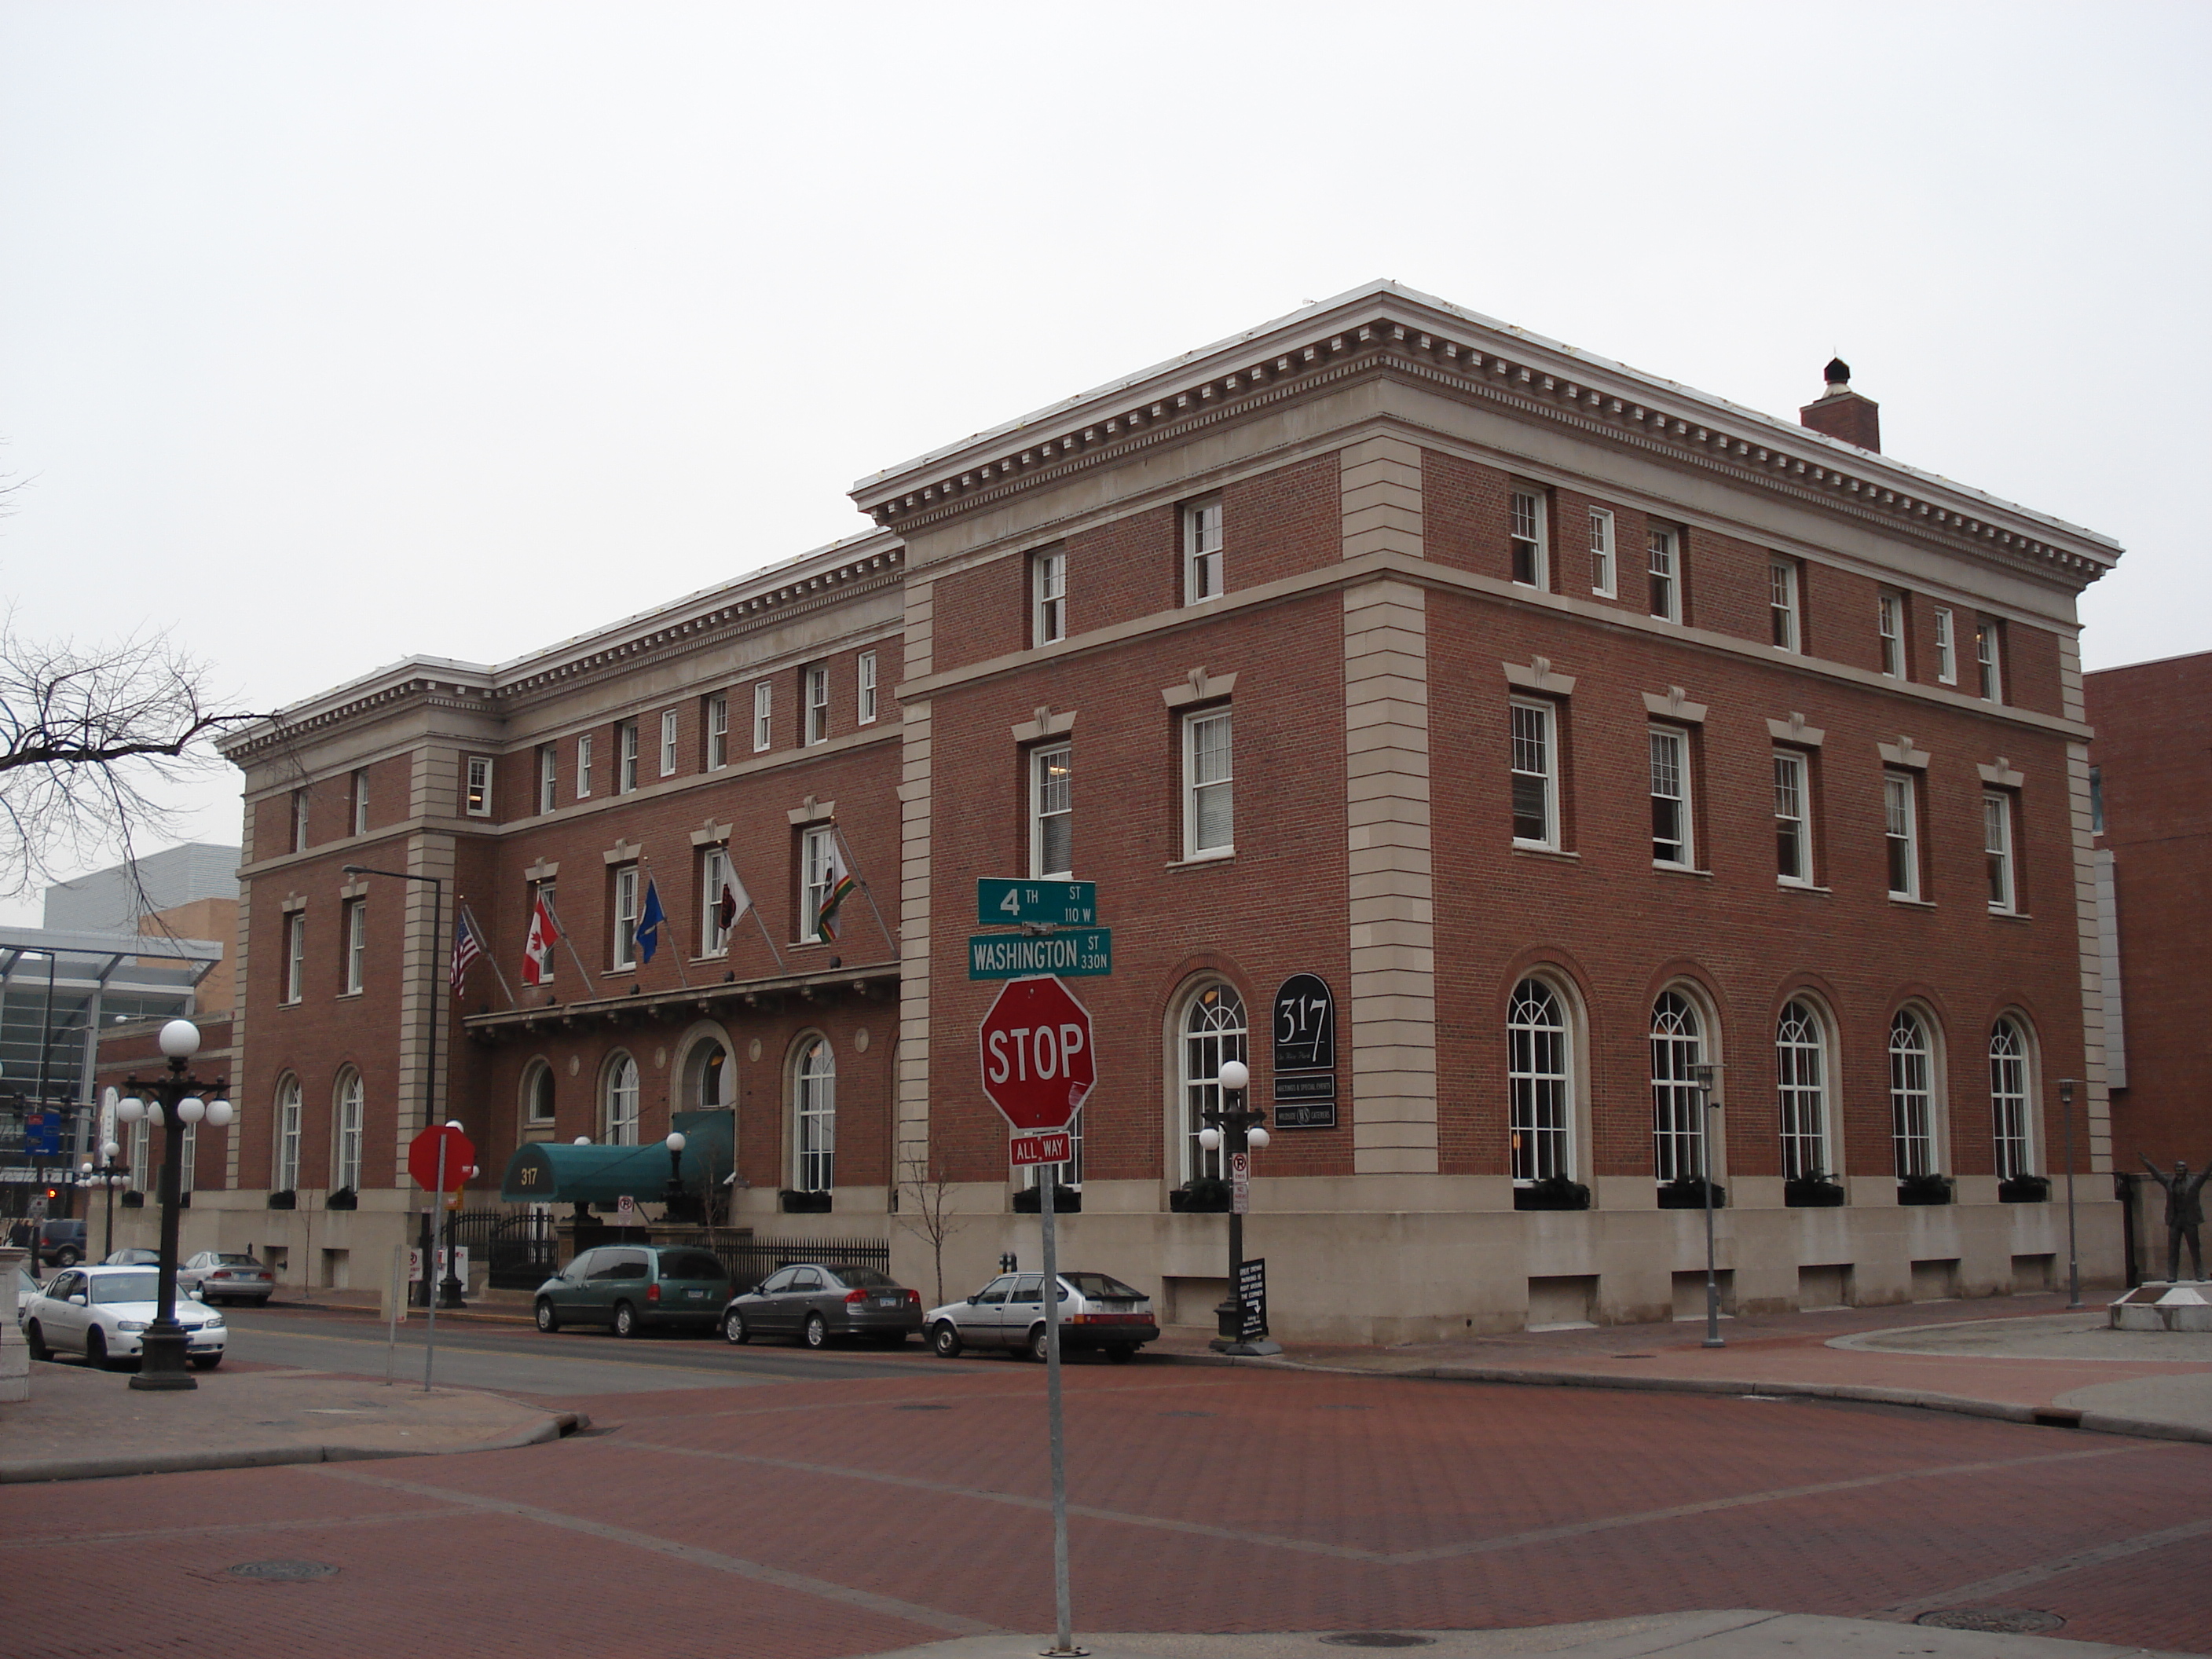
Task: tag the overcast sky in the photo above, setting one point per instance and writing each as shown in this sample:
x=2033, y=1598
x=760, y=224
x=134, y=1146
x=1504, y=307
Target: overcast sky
x=330, y=333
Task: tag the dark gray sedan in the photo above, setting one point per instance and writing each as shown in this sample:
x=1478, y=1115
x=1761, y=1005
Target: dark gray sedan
x=814, y=1301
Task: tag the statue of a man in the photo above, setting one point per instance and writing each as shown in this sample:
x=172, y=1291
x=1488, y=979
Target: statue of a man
x=2184, y=1214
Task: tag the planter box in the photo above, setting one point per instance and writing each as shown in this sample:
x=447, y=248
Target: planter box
x=1066, y=1200
x=345, y=1199
x=2024, y=1189
x=1553, y=1192
x=134, y=1201
x=804, y=1203
x=1690, y=1195
x=1806, y=1194
x=284, y=1200
x=1924, y=1189
x=1207, y=1197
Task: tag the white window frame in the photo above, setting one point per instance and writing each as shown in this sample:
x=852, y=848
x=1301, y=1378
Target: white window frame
x=346, y=1130
x=295, y=955
x=1671, y=789
x=1997, y=851
x=626, y=757
x=356, y=945
x=545, y=889
x=817, y=704
x=1663, y=568
x=1048, y=596
x=1204, y=555
x=814, y=1117
x=360, y=785
x=1532, y=734
x=1204, y=769
x=536, y=1080
x=1540, y=1058
x=1210, y=1029
x=1782, y=610
x=1601, y=552
x=583, y=766
x=713, y=876
x=1900, y=812
x=718, y=731
x=1801, y=1090
x=621, y=1099
x=815, y=847
x=284, y=1171
x=1988, y=668
x=1681, y=1123
x=1793, y=814
x=1527, y=512
x=1889, y=621
x=1913, y=1100
x=2011, y=1124
x=475, y=801
x=1051, y=798
x=623, y=934
x=763, y=713
x=1946, y=653
x=864, y=685
x=548, y=777
x=188, y=1158
x=299, y=820
x=668, y=733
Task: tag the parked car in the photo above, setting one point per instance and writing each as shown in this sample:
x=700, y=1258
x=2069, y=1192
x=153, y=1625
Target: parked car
x=26, y=1288
x=131, y=1256
x=103, y=1312
x=815, y=1301
x=227, y=1276
x=630, y=1287
x=61, y=1243
x=1096, y=1310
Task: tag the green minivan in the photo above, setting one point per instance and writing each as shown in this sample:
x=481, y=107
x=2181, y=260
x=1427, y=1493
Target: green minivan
x=628, y=1287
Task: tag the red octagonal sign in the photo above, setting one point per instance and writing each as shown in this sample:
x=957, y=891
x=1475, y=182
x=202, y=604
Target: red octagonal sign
x=1037, y=1064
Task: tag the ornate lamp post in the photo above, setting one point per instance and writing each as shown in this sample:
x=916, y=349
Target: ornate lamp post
x=1704, y=1077
x=107, y=1174
x=675, y=1202
x=172, y=1101
x=1239, y=1127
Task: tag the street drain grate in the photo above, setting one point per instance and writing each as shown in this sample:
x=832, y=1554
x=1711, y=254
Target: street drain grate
x=284, y=1572
x=1377, y=1638
x=1996, y=1621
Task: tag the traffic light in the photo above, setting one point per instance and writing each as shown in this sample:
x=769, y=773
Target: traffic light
x=53, y=1194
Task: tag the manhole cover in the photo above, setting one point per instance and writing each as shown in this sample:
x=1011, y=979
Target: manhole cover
x=921, y=1408
x=1998, y=1621
x=284, y=1572
x=1378, y=1639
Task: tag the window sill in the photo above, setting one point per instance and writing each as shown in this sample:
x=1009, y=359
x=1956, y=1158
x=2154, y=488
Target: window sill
x=617, y=973
x=1202, y=861
x=1911, y=903
x=2010, y=915
x=1550, y=854
x=1784, y=884
x=1680, y=869
x=349, y=996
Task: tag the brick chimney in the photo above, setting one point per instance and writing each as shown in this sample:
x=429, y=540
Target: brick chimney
x=1842, y=413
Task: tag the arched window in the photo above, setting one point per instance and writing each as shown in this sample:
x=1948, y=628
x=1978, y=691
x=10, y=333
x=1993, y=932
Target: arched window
x=1911, y=1101
x=707, y=1076
x=345, y=1139
x=2009, y=1099
x=1801, y=1087
x=618, y=1102
x=538, y=1104
x=814, y=1117
x=1677, y=1114
x=284, y=1173
x=1212, y=1033
x=1540, y=1099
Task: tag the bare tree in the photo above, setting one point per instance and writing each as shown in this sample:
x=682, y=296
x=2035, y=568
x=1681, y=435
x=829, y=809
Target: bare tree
x=90, y=738
x=934, y=1216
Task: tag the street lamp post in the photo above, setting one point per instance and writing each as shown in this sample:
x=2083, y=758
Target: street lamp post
x=109, y=1172
x=1239, y=1129
x=2072, y=1257
x=172, y=1102
x=675, y=1202
x=1704, y=1075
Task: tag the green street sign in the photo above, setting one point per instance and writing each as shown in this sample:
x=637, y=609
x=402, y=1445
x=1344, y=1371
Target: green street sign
x=1000, y=902
x=1086, y=951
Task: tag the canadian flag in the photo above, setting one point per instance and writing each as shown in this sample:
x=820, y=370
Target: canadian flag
x=537, y=948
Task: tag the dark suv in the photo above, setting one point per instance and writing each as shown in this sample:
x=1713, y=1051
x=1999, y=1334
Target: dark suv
x=61, y=1243
x=631, y=1287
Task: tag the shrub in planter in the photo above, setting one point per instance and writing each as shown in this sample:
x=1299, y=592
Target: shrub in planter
x=1207, y=1195
x=134, y=1199
x=1924, y=1189
x=287, y=1200
x=344, y=1199
x=1066, y=1200
x=1553, y=1193
x=1812, y=1192
x=797, y=1203
x=2024, y=1189
x=1688, y=1193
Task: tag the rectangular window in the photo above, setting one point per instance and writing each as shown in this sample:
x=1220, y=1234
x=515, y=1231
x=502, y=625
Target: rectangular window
x=626, y=757
x=1663, y=566
x=718, y=733
x=1531, y=551
x=1901, y=828
x=1987, y=648
x=1793, y=830
x=1209, y=816
x=350, y=1128
x=583, y=766
x=356, y=943
x=543, y=892
x=668, y=743
x=1201, y=552
x=295, y=955
x=624, y=932
x=1048, y=596
x=2096, y=800
x=817, y=704
x=763, y=700
x=1600, y=552
x=359, y=791
x=476, y=802
x=713, y=880
x=299, y=820
x=287, y=1174
x=867, y=686
x=818, y=864
x=1946, y=655
x=1670, y=798
x=548, y=777
x=1535, y=781
x=1052, y=851
x=1997, y=849
x=1889, y=621
x=1782, y=605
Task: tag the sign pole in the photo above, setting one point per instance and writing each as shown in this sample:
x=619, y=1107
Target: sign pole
x=430, y=1276
x=1064, y=1637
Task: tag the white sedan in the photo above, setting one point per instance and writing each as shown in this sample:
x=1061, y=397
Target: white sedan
x=102, y=1313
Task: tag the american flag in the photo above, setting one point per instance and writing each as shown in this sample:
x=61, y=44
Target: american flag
x=465, y=951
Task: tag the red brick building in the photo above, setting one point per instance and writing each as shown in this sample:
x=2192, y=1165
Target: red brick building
x=1572, y=727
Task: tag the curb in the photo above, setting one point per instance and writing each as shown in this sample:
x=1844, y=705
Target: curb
x=22, y=1471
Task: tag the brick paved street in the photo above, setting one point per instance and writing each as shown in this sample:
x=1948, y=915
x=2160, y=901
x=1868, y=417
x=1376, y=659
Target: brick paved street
x=855, y=1513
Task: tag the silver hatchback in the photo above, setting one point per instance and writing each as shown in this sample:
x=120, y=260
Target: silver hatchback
x=1096, y=1310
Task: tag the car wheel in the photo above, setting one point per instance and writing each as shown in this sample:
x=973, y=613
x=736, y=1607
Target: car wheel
x=944, y=1340
x=817, y=1333
x=1040, y=1345
x=548, y=1319
x=66, y=1256
x=35, y=1340
x=625, y=1320
x=206, y=1362
x=733, y=1327
x=1121, y=1353
x=95, y=1349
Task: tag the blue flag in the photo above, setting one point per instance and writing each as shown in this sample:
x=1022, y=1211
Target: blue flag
x=648, y=922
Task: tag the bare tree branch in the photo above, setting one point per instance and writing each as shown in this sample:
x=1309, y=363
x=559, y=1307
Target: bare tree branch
x=933, y=1215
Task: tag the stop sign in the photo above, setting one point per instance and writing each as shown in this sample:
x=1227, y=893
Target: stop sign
x=1037, y=1063
x=423, y=1157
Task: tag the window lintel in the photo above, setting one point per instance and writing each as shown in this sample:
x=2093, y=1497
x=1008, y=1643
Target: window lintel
x=710, y=833
x=2000, y=776
x=1674, y=706
x=1537, y=676
x=1902, y=753
x=622, y=852
x=811, y=810
x=1199, y=687
x=1793, y=731
x=1049, y=724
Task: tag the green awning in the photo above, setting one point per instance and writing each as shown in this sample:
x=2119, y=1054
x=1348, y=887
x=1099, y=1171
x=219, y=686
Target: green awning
x=556, y=1172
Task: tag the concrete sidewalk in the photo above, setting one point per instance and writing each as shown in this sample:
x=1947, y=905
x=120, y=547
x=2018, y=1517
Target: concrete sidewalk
x=84, y=1425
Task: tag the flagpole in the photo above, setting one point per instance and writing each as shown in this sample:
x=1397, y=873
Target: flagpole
x=562, y=927
x=683, y=978
x=853, y=865
x=489, y=955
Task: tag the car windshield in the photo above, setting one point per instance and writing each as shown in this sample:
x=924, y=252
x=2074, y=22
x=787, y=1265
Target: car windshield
x=1104, y=1287
x=691, y=1264
x=227, y=1259
x=863, y=1277
x=126, y=1287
